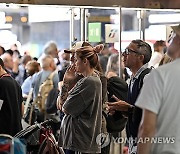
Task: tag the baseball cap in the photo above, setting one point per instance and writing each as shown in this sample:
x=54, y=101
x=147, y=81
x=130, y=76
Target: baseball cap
x=76, y=46
x=176, y=29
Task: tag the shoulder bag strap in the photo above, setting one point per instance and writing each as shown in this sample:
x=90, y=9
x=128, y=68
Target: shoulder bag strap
x=51, y=75
x=29, y=97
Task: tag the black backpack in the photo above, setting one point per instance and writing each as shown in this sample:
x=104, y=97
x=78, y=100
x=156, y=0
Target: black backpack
x=119, y=88
x=51, y=101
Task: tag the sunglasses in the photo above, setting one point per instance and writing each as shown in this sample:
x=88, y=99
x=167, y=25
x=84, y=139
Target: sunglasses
x=128, y=51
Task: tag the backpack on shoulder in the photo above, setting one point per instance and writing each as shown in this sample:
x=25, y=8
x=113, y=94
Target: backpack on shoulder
x=32, y=114
x=142, y=75
x=43, y=93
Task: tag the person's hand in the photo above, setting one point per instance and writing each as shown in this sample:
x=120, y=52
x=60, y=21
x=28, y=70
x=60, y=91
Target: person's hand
x=118, y=106
x=16, y=62
x=70, y=74
x=58, y=103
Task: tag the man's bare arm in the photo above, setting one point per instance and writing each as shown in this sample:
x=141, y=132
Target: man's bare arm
x=147, y=130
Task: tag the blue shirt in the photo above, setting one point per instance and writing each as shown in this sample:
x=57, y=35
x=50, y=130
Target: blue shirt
x=26, y=86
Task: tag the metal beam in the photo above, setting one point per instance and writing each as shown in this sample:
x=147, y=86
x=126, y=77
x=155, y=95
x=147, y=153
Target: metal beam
x=154, y=4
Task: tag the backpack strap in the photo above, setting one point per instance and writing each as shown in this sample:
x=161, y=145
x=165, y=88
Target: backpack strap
x=50, y=77
x=142, y=75
x=39, y=96
x=29, y=97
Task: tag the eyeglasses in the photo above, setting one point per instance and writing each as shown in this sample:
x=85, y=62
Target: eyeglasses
x=170, y=37
x=128, y=51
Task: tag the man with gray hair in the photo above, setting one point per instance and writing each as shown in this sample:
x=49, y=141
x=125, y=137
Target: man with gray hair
x=136, y=57
x=51, y=49
x=48, y=73
x=48, y=66
x=160, y=103
x=10, y=65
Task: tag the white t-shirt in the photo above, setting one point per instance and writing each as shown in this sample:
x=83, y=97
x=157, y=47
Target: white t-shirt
x=155, y=59
x=161, y=95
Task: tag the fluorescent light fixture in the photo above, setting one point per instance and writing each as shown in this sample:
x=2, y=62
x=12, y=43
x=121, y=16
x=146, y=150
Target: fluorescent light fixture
x=2, y=18
x=5, y=26
x=164, y=18
x=48, y=14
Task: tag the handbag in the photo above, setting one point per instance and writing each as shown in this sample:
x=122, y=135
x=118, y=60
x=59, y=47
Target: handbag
x=116, y=87
x=115, y=123
x=31, y=114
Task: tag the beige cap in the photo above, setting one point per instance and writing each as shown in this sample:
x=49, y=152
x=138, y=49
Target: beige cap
x=176, y=29
x=76, y=46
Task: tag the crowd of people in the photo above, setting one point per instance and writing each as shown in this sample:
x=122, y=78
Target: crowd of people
x=80, y=76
